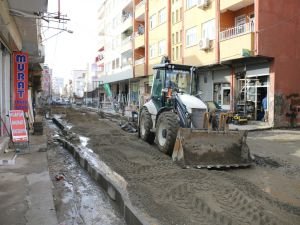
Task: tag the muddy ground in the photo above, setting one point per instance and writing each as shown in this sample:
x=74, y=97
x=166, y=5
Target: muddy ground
x=77, y=198
x=266, y=193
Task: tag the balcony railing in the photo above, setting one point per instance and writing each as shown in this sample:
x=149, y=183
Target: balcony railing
x=141, y=3
x=126, y=16
x=139, y=61
x=126, y=40
x=126, y=63
x=237, y=31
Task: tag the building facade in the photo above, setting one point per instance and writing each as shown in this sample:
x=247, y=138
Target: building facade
x=79, y=81
x=114, y=57
x=242, y=49
x=20, y=30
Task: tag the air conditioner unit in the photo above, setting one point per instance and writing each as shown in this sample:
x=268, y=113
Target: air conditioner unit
x=204, y=44
x=203, y=3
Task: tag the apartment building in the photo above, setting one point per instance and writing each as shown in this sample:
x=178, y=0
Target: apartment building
x=79, y=81
x=114, y=60
x=243, y=50
x=244, y=55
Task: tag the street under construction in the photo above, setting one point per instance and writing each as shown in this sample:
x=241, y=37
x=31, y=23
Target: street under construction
x=159, y=191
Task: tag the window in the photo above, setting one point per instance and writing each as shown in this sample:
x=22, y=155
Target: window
x=180, y=36
x=191, y=3
x=240, y=22
x=173, y=54
x=177, y=54
x=108, y=67
x=162, y=47
x=180, y=13
x=177, y=15
x=191, y=36
x=157, y=83
x=162, y=17
x=173, y=17
x=209, y=30
x=117, y=62
x=173, y=39
x=221, y=94
x=113, y=64
x=251, y=20
x=177, y=40
x=152, y=21
x=152, y=50
x=180, y=51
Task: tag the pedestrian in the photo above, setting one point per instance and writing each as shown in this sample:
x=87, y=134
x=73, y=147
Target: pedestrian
x=265, y=108
x=134, y=111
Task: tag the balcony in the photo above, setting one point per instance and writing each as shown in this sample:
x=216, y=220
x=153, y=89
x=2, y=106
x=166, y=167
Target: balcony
x=139, y=70
x=234, y=42
x=140, y=11
x=139, y=61
x=126, y=4
x=234, y=5
x=101, y=29
x=139, y=40
x=126, y=22
x=100, y=12
x=237, y=31
x=126, y=44
x=126, y=62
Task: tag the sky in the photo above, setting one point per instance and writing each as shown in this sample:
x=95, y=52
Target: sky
x=66, y=51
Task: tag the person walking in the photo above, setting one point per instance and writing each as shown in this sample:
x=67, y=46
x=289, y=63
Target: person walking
x=265, y=108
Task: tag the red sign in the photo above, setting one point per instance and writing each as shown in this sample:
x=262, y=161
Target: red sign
x=20, y=63
x=18, y=126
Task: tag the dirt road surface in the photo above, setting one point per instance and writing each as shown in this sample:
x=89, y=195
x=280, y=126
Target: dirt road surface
x=267, y=193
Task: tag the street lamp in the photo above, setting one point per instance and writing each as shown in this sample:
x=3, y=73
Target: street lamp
x=61, y=30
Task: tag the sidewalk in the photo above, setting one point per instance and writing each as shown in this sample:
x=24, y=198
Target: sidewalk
x=26, y=188
x=251, y=126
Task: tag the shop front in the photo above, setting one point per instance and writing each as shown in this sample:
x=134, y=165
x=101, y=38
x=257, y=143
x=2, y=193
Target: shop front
x=5, y=88
x=252, y=91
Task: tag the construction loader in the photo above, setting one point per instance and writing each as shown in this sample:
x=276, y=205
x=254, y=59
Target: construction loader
x=181, y=125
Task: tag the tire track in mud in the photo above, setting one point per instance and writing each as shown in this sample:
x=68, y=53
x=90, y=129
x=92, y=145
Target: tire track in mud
x=246, y=193
x=181, y=196
x=169, y=193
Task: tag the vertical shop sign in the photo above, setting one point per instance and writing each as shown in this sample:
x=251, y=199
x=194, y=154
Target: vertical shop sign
x=20, y=65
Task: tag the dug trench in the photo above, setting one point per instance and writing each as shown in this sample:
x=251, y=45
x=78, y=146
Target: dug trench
x=171, y=195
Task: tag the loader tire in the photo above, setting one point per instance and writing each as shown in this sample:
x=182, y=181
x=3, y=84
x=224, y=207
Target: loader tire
x=166, y=132
x=145, y=127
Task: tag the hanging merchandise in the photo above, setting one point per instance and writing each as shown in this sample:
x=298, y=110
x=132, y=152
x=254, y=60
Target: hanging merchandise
x=107, y=90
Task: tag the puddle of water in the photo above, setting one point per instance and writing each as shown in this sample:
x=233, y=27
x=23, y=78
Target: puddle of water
x=69, y=127
x=297, y=153
x=84, y=141
x=68, y=196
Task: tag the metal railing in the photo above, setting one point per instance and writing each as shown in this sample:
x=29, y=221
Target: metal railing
x=140, y=4
x=237, y=31
x=139, y=61
x=126, y=40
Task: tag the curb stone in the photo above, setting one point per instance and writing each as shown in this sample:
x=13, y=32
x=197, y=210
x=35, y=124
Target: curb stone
x=131, y=215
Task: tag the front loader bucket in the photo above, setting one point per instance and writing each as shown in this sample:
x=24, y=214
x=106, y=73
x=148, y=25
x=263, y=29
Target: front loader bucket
x=211, y=149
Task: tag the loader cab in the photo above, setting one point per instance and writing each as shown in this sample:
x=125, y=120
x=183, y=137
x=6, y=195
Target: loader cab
x=174, y=76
